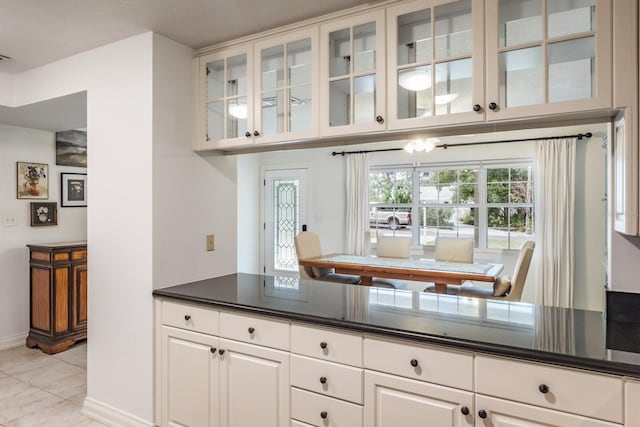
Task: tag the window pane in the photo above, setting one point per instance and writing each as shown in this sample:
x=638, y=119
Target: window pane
x=390, y=187
x=498, y=193
x=509, y=228
x=447, y=222
x=498, y=175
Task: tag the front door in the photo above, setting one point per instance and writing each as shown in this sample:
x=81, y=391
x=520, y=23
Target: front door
x=285, y=213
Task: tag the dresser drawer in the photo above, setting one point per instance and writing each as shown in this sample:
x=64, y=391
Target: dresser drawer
x=579, y=392
x=191, y=317
x=255, y=330
x=327, y=344
x=445, y=367
x=310, y=408
x=331, y=379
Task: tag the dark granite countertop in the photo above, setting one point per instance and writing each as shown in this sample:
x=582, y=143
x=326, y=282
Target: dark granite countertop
x=568, y=337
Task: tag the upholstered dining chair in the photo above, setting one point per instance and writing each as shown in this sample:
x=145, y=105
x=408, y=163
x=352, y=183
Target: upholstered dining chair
x=450, y=249
x=391, y=247
x=504, y=288
x=308, y=245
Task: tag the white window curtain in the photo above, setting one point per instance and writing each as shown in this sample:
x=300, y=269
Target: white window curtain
x=357, y=205
x=554, y=207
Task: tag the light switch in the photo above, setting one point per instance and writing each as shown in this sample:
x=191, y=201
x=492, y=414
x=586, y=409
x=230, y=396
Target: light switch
x=9, y=221
x=210, y=242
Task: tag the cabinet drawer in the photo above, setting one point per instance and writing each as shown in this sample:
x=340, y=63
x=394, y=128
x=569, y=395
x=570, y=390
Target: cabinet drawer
x=343, y=382
x=191, y=317
x=310, y=408
x=327, y=344
x=579, y=392
x=445, y=367
x=255, y=330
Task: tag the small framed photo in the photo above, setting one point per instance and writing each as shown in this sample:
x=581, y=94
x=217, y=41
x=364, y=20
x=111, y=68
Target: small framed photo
x=44, y=213
x=32, y=180
x=73, y=191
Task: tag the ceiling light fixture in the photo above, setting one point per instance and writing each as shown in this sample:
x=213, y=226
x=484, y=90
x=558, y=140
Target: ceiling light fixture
x=415, y=80
x=418, y=145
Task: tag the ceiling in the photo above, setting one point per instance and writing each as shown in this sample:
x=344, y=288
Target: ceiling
x=36, y=32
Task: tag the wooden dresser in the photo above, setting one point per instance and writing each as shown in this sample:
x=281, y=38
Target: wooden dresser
x=58, y=295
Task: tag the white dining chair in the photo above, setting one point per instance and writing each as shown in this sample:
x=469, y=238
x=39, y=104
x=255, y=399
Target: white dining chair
x=454, y=250
x=391, y=247
x=308, y=245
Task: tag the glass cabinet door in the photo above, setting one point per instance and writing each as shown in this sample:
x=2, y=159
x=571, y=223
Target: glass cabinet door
x=286, y=99
x=435, y=62
x=353, y=74
x=227, y=97
x=548, y=56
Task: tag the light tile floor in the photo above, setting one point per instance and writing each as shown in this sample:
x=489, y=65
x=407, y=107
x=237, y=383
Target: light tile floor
x=37, y=389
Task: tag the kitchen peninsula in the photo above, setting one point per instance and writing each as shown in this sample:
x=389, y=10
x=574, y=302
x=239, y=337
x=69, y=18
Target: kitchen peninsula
x=315, y=353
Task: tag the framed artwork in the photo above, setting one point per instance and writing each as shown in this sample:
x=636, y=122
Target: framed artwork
x=32, y=180
x=73, y=191
x=71, y=148
x=44, y=213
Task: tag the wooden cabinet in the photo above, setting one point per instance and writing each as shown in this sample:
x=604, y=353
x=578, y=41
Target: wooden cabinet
x=58, y=286
x=353, y=91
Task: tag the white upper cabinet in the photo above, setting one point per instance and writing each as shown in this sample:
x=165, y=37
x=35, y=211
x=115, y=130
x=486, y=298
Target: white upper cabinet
x=546, y=57
x=435, y=60
x=225, y=108
x=353, y=75
x=286, y=79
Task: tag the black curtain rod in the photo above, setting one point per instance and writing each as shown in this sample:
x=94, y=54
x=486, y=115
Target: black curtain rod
x=445, y=146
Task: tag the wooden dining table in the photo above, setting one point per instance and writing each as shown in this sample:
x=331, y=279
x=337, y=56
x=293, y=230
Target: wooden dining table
x=421, y=270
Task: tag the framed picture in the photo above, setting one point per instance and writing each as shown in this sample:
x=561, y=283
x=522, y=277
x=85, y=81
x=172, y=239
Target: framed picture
x=44, y=213
x=73, y=191
x=71, y=148
x=32, y=180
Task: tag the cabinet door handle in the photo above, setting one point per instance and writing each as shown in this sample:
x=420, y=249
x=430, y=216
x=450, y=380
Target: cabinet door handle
x=380, y=119
x=324, y=415
x=251, y=330
x=493, y=105
x=213, y=349
x=414, y=363
x=187, y=317
x=544, y=389
x=256, y=133
x=323, y=345
x=482, y=414
x=323, y=380
x=477, y=107
x=221, y=351
x=247, y=134
x=464, y=410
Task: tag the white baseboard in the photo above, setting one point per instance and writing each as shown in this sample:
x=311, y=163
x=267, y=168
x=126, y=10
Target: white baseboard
x=13, y=341
x=111, y=416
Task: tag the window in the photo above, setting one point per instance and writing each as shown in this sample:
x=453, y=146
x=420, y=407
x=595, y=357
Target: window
x=491, y=202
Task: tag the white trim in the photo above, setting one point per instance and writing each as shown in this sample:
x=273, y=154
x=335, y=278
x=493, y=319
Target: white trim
x=13, y=340
x=111, y=416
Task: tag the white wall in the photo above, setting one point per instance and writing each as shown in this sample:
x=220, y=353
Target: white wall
x=118, y=81
x=249, y=205
x=7, y=94
x=30, y=145
x=328, y=199
x=193, y=195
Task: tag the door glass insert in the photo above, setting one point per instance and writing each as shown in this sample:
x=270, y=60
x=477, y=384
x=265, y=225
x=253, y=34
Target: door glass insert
x=340, y=52
x=521, y=77
x=340, y=98
x=414, y=37
x=453, y=35
x=215, y=79
x=571, y=69
x=453, y=87
x=520, y=21
x=286, y=223
x=364, y=89
x=299, y=61
x=236, y=117
x=272, y=67
x=364, y=47
x=415, y=92
x=566, y=17
x=300, y=118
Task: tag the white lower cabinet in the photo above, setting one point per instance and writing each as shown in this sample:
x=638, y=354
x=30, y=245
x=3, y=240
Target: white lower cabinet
x=392, y=401
x=254, y=385
x=323, y=411
x=189, y=377
x=632, y=403
x=492, y=412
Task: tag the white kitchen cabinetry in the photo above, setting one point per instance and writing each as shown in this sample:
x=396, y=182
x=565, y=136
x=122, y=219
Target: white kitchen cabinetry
x=435, y=63
x=353, y=91
x=547, y=57
x=259, y=93
x=394, y=401
x=594, y=397
x=632, y=408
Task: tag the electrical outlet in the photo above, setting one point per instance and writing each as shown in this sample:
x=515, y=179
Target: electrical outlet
x=9, y=221
x=210, y=242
